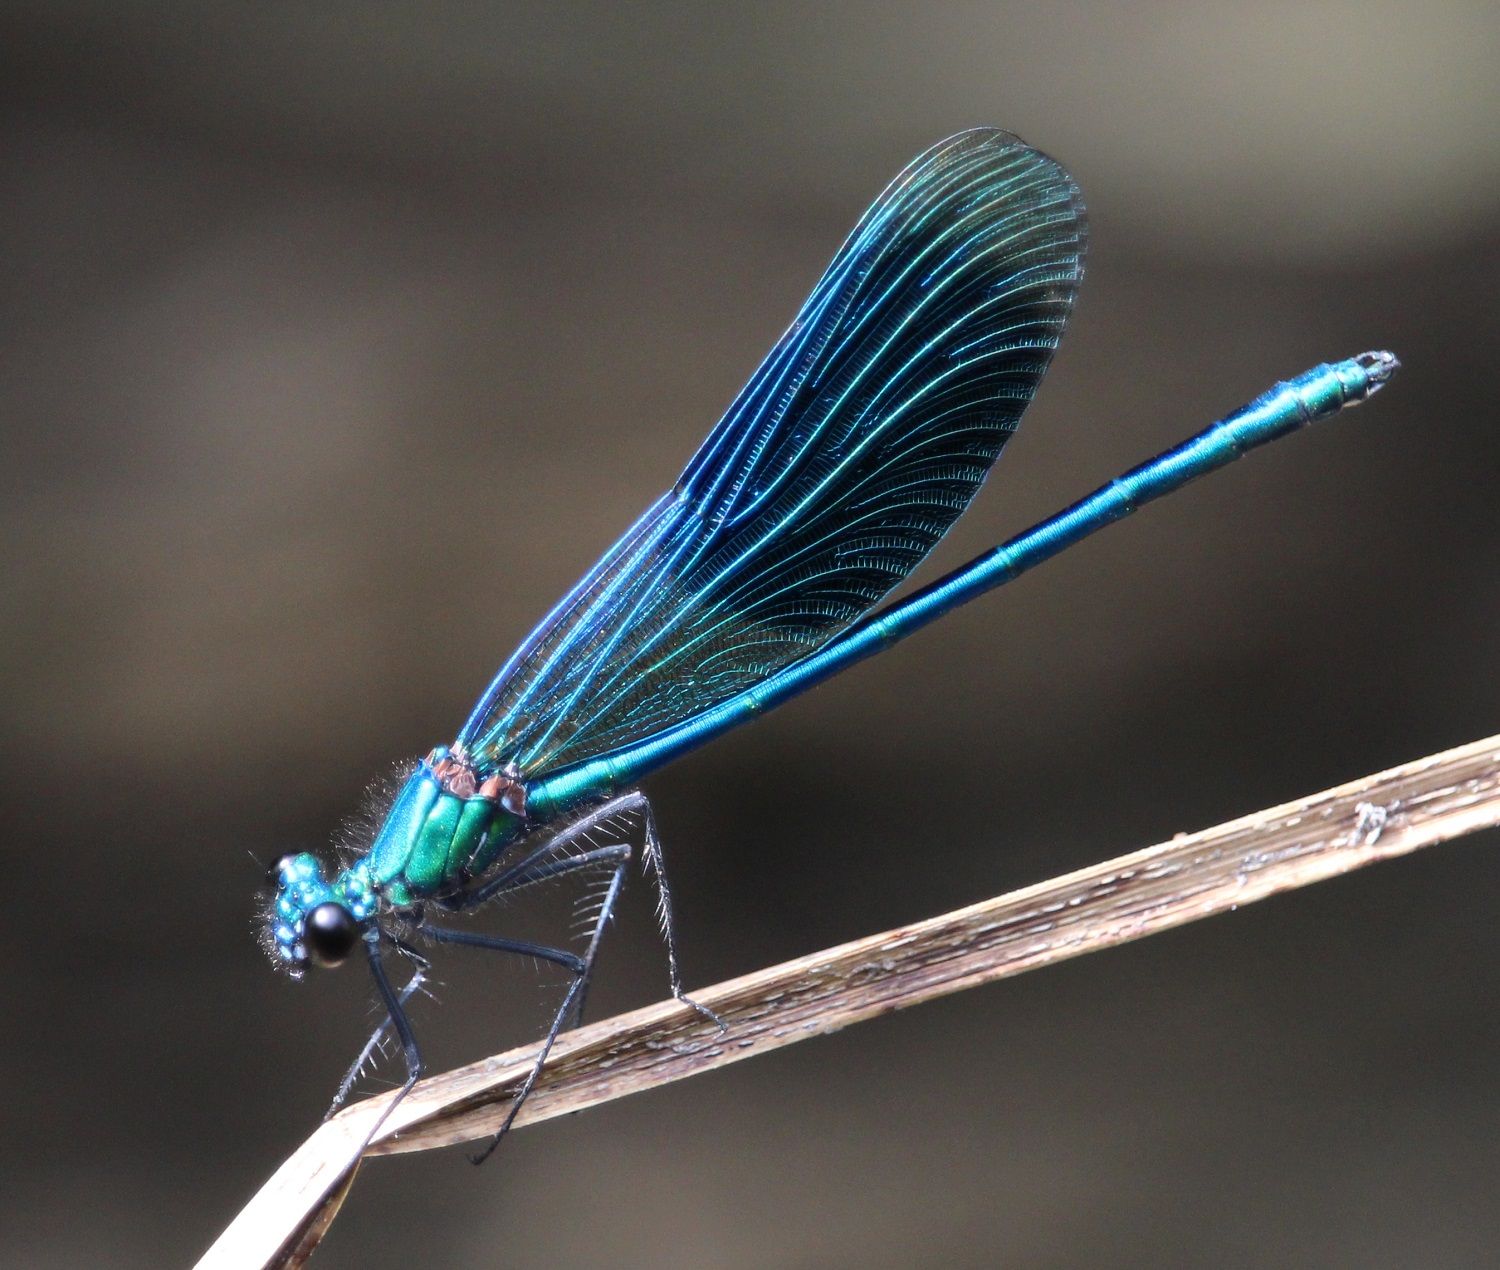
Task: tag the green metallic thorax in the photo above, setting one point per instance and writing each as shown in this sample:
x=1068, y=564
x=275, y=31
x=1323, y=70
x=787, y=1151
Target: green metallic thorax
x=443, y=828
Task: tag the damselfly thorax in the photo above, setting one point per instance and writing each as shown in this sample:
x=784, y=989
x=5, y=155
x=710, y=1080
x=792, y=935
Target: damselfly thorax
x=448, y=824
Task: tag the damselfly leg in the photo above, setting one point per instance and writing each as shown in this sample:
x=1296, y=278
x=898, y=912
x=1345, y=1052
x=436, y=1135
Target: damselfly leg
x=395, y=1008
x=653, y=861
x=582, y=968
x=377, y=1037
x=548, y=861
x=557, y=856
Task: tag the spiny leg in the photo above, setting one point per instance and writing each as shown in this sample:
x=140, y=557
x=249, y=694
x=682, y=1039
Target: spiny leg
x=377, y=1038
x=582, y=968
x=395, y=1008
x=534, y=869
x=535, y=866
x=652, y=860
x=497, y=943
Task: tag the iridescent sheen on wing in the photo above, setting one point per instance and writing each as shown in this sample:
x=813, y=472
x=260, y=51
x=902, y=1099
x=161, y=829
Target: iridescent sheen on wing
x=849, y=454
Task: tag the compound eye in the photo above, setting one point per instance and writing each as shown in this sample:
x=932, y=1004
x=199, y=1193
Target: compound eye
x=330, y=933
x=273, y=874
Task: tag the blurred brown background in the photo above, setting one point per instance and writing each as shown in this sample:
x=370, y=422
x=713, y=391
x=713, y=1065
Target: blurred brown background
x=337, y=341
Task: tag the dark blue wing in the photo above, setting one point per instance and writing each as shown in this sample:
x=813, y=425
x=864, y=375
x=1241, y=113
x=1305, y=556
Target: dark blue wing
x=844, y=460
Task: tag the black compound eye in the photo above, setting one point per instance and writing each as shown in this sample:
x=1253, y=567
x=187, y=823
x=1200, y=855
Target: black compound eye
x=273, y=874
x=330, y=933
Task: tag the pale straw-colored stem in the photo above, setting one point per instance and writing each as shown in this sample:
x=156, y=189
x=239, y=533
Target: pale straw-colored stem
x=1193, y=876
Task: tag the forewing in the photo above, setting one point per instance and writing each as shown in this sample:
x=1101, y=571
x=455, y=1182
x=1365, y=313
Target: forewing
x=848, y=455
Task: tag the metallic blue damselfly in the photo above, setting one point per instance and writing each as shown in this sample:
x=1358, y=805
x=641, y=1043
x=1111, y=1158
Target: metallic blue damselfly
x=841, y=464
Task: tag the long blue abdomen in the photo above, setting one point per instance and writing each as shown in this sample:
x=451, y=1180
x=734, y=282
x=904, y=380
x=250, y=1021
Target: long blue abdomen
x=1315, y=395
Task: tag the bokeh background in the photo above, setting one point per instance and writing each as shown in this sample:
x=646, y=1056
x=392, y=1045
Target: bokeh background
x=339, y=339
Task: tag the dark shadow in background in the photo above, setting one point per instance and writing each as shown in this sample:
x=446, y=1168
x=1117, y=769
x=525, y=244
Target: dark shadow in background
x=335, y=347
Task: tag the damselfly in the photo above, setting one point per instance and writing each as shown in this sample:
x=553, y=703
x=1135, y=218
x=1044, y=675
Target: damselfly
x=846, y=458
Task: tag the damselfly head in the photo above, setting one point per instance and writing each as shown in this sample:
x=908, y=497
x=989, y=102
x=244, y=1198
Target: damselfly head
x=312, y=921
